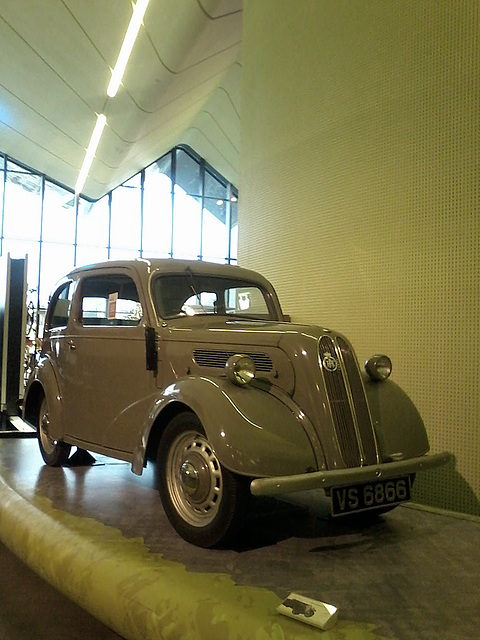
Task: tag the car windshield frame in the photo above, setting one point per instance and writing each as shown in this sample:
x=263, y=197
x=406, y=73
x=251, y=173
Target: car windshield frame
x=171, y=292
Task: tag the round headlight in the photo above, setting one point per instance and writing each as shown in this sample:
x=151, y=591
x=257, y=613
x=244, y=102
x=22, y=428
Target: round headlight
x=240, y=369
x=378, y=367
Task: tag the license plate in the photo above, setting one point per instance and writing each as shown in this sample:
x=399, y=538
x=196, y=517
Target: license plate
x=360, y=497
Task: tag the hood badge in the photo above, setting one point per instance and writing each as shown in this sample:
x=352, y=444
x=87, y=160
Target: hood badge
x=329, y=362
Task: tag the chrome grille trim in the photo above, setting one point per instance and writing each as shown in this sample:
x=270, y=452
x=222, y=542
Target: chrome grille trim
x=361, y=411
x=348, y=405
x=218, y=359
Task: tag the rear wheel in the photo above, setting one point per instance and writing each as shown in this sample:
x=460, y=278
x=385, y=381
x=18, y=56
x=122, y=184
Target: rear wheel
x=54, y=452
x=203, y=501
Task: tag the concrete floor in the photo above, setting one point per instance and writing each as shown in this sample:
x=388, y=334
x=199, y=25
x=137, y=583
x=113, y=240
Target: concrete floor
x=410, y=575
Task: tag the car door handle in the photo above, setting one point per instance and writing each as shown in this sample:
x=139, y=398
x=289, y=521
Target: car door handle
x=71, y=345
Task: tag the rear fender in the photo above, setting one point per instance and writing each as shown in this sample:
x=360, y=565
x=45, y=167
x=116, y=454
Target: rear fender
x=398, y=425
x=46, y=379
x=252, y=431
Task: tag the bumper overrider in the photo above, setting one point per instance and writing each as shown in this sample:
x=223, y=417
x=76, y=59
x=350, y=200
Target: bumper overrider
x=345, y=477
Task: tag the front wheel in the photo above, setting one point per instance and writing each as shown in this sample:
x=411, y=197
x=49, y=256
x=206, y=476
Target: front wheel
x=203, y=501
x=54, y=452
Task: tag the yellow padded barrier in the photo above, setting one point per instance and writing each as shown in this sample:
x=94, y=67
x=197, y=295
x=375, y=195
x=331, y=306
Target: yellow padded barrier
x=139, y=594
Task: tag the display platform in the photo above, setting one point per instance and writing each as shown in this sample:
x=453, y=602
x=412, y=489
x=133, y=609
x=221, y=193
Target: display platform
x=99, y=534
x=15, y=427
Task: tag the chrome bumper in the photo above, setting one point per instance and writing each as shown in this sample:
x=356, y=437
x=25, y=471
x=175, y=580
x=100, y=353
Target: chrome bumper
x=343, y=477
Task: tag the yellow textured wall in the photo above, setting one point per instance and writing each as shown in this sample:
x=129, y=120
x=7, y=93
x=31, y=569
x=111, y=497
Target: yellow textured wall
x=359, y=194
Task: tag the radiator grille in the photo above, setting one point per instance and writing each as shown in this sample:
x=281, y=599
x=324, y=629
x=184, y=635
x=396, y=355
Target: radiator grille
x=342, y=408
x=359, y=402
x=218, y=359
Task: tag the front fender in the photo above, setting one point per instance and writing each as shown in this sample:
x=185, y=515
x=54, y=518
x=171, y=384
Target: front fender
x=398, y=425
x=252, y=431
x=46, y=379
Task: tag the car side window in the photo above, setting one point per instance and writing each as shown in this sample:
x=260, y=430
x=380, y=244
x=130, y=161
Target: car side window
x=110, y=300
x=60, y=307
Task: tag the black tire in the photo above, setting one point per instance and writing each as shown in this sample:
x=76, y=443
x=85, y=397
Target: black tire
x=203, y=501
x=54, y=452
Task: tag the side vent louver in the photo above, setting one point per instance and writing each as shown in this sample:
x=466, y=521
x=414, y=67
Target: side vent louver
x=218, y=359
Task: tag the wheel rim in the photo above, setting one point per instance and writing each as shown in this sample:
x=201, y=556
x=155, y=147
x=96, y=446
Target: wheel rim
x=48, y=444
x=194, y=479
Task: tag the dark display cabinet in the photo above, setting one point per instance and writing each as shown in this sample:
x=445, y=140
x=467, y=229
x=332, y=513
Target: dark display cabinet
x=13, y=285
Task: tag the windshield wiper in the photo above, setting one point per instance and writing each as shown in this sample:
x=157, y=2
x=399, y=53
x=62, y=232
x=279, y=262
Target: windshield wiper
x=192, y=286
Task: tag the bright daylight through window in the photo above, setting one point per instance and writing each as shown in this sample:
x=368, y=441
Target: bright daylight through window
x=178, y=207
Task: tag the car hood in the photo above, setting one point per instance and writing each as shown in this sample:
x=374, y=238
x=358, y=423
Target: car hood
x=238, y=331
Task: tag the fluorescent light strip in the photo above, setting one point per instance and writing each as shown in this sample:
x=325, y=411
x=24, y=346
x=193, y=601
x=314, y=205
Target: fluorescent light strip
x=90, y=154
x=127, y=46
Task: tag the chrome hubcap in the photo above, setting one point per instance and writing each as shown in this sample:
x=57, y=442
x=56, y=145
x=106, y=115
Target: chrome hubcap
x=47, y=443
x=188, y=478
x=194, y=479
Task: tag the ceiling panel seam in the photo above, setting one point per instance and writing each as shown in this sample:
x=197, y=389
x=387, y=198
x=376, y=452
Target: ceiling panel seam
x=209, y=113
x=46, y=64
x=202, y=133
x=22, y=135
x=85, y=34
x=222, y=15
x=194, y=64
x=40, y=115
x=162, y=124
x=182, y=95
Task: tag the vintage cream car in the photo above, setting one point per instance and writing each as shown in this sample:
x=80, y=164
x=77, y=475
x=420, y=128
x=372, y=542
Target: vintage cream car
x=194, y=365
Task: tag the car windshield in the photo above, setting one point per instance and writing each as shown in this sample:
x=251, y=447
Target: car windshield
x=190, y=294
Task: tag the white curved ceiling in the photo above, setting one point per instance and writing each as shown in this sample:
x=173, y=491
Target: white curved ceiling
x=182, y=85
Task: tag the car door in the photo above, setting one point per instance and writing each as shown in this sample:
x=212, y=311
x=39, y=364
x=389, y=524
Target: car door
x=108, y=390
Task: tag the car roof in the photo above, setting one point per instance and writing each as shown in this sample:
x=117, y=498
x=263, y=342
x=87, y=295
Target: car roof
x=146, y=267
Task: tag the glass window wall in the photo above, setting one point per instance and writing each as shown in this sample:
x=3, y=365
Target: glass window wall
x=125, y=220
x=215, y=231
x=187, y=206
x=178, y=207
x=157, y=210
x=23, y=199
